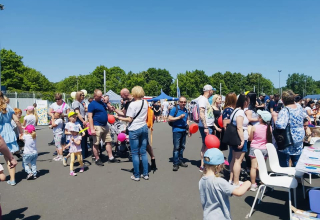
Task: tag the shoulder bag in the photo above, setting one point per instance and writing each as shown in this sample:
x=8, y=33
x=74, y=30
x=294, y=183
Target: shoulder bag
x=231, y=136
x=283, y=137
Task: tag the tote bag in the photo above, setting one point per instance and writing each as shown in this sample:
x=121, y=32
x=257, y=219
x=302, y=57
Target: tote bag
x=231, y=136
x=283, y=137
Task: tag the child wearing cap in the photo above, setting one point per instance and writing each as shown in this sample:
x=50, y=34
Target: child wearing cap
x=214, y=190
x=30, y=153
x=260, y=135
x=57, y=125
x=30, y=118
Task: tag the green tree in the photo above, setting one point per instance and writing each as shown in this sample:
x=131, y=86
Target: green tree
x=215, y=81
x=301, y=84
x=162, y=76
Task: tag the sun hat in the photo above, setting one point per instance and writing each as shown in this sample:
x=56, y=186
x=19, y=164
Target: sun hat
x=207, y=88
x=214, y=155
x=71, y=114
x=29, y=108
x=265, y=115
x=30, y=128
x=57, y=111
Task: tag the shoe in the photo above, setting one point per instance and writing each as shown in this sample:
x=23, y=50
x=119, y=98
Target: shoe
x=51, y=143
x=81, y=170
x=17, y=154
x=65, y=161
x=231, y=182
x=99, y=163
x=153, y=164
x=135, y=178
x=30, y=175
x=93, y=159
x=240, y=183
x=114, y=160
x=201, y=169
x=55, y=153
x=254, y=187
x=57, y=158
x=72, y=173
x=35, y=176
x=175, y=168
x=145, y=177
x=183, y=164
x=12, y=183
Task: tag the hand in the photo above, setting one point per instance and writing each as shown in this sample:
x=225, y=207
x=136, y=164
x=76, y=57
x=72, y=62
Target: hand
x=206, y=131
x=182, y=116
x=189, y=134
x=12, y=163
x=116, y=116
x=241, y=145
x=93, y=132
x=72, y=139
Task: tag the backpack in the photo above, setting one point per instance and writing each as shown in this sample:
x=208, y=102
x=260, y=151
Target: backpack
x=195, y=113
x=175, y=115
x=150, y=117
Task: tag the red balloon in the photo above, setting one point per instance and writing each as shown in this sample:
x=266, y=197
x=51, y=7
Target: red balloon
x=212, y=141
x=111, y=119
x=220, y=122
x=193, y=128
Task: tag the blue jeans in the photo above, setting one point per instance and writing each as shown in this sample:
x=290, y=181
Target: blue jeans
x=138, y=143
x=32, y=160
x=84, y=142
x=284, y=159
x=179, y=144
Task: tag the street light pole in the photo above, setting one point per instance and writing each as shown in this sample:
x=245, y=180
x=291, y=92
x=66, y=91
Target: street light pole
x=279, y=81
x=1, y=8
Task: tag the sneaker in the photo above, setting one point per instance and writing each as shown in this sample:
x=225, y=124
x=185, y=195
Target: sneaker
x=175, y=167
x=93, y=159
x=81, y=169
x=12, y=183
x=65, y=161
x=30, y=175
x=254, y=187
x=240, y=183
x=183, y=164
x=55, y=153
x=35, y=176
x=201, y=169
x=231, y=182
x=135, y=178
x=57, y=158
x=114, y=160
x=51, y=143
x=99, y=163
x=145, y=177
x=72, y=173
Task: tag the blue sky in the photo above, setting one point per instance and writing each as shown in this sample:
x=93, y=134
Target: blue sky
x=63, y=37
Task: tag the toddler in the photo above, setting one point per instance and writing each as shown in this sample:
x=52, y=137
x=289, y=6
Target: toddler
x=57, y=126
x=30, y=118
x=30, y=153
x=214, y=190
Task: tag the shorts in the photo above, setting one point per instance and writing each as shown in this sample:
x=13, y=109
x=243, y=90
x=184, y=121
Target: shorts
x=244, y=148
x=57, y=140
x=203, y=135
x=102, y=133
x=264, y=152
x=165, y=113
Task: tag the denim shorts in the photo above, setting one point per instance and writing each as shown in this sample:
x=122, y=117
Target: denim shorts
x=264, y=152
x=244, y=148
x=203, y=135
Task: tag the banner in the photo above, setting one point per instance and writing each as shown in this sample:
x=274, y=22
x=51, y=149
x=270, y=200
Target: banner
x=42, y=112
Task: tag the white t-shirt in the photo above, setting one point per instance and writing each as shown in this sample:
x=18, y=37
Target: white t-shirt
x=29, y=144
x=311, y=116
x=69, y=125
x=58, y=128
x=204, y=103
x=240, y=112
x=133, y=110
x=165, y=106
x=313, y=140
x=56, y=107
x=30, y=120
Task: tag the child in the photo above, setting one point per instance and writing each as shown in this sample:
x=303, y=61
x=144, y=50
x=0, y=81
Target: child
x=30, y=118
x=72, y=121
x=214, y=190
x=30, y=153
x=260, y=135
x=57, y=125
x=75, y=149
x=315, y=136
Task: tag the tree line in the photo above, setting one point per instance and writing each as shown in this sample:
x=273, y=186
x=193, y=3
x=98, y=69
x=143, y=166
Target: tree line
x=18, y=77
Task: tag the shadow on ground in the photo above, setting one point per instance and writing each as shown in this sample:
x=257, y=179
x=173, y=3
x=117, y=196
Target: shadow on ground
x=18, y=214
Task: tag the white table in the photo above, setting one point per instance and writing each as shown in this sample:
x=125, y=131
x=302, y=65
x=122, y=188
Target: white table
x=309, y=161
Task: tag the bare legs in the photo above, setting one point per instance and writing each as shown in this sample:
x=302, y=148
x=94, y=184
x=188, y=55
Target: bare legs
x=203, y=150
x=12, y=171
x=253, y=170
x=236, y=166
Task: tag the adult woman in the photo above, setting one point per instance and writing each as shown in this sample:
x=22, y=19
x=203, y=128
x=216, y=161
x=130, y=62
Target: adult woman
x=60, y=105
x=241, y=121
x=138, y=132
x=79, y=107
x=216, y=106
x=294, y=114
x=317, y=114
x=157, y=112
x=309, y=111
x=307, y=133
x=9, y=136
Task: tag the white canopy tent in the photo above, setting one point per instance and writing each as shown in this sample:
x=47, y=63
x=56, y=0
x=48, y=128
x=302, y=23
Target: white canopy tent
x=113, y=97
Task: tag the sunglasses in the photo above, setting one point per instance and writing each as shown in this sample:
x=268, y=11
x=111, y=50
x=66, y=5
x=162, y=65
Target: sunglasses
x=82, y=95
x=182, y=102
x=58, y=99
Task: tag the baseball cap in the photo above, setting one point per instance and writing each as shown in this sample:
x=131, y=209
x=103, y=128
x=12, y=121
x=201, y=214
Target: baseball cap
x=262, y=94
x=58, y=111
x=71, y=114
x=207, y=88
x=29, y=108
x=30, y=128
x=74, y=128
x=265, y=115
x=215, y=157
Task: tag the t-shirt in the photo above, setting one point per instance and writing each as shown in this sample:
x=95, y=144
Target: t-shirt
x=59, y=128
x=99, y=113
x=69, y=125
x=311, y=116
x=73, y=147
x=276, y=106
x=56, y=107
x=181, y=123
x=29, y=144
x=259, y=137
x=253, y=115
x=313, y=140
x=239, y=112
x=80, y=106
x=227, y=113
x=140, y=120
x=204, y=103
x=126, y=106
x=214, y=196
x=30, y=120
x=165, y=106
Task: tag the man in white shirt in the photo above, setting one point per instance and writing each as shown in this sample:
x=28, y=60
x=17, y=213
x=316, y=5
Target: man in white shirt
x=165, y=110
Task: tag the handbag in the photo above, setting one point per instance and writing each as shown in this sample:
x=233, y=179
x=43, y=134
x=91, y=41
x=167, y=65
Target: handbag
x=127, y=130
x=283, y=137
x=231, y=136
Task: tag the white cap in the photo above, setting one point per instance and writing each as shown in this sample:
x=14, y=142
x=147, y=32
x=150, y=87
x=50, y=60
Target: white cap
x=207, y=88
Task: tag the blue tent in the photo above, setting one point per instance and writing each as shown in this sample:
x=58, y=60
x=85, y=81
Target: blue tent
x=162, y=96
x=312, y=97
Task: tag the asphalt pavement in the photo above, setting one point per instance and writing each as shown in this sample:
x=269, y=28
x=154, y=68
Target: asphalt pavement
x=109, y=193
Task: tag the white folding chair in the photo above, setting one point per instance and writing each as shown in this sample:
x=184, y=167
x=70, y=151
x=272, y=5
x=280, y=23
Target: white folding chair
x=278, y=170
x=284, y=182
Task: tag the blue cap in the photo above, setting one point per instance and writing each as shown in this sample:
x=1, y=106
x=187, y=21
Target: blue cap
x=215, y=157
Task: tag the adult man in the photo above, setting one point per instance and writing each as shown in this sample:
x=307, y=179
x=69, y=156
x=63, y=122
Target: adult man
x=165, y=110
x=275, y=105
x=261, y=102
x=98, y=119
x=206, y=118
x=127, y=97
x=179, y=117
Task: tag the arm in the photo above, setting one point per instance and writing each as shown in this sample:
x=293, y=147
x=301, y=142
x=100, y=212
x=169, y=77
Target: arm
x=120, y=112
x=203, y=120
x=241, y=190
x=225, y=123
x=53, y=122
x=17, y=121
x=24, y=123
x=252, y=130
x=93, y=132
x=7, y=154
x=249, y=116
x=274, y=116
x=77, y=142
x=240, y=130
x=173, y=119
x=79, y=116
x=126, y=119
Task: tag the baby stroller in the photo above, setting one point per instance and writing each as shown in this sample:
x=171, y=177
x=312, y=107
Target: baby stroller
x=122, y=148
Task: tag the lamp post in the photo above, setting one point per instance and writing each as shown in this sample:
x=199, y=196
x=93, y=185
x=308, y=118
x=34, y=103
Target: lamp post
x=279, y=71
x=1, y=8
